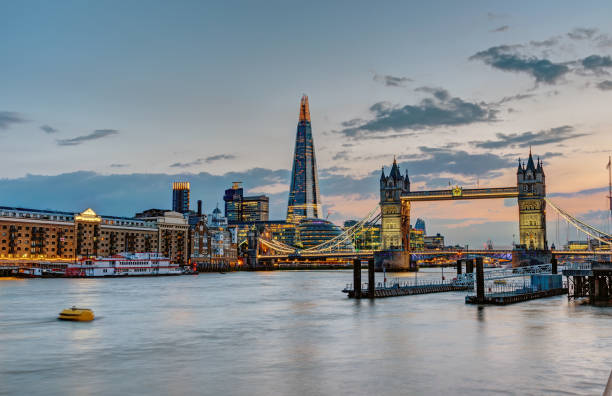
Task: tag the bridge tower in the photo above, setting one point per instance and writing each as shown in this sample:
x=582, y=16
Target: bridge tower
x=391, y=189
x=531, y=184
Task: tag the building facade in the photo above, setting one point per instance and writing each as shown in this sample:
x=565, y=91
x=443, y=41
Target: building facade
x=45, y=235
x=213, y=243
x=391, y=189
x=531, y=185
x=180, y=197
x=304, y=197
x=239, y=208
x=368, y=238
x=434, y=241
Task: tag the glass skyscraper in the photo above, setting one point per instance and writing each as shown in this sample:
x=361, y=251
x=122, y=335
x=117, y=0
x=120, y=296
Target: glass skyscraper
x=180, y=197
x=304, y=199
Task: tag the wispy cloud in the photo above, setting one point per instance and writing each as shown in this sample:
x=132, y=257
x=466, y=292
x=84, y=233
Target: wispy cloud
x=597, y=63
x=526, y=139
x=219, y=157
x=500, y=29
x=8, y=118
x=507, y=58
x=119, y=165
x=391, y=81
x=605, y=85
x=48, y=129
x=440, y=110
x=582, y=33
x=200, y=161
x=95, y=135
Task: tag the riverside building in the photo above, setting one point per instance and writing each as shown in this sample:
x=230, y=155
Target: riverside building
x=46, y=235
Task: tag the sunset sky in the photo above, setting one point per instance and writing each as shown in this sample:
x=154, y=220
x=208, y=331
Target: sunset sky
x=104, y=104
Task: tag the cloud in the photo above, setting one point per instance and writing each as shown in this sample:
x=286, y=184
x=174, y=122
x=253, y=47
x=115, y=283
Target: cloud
x=436, y=161
x=500, y=29
x=506, y=58
x=391, y=81
x=597, y=63
x=526, y=139
x=95, y=135
x=119, y=165
x=513, y=98
x=48, y=129
x=441, y=110
x=8, y=118
x=582, y=33
x=219, y=157
x=341, y=155
x=551, y=42
x=198, y=161
x=605, y=85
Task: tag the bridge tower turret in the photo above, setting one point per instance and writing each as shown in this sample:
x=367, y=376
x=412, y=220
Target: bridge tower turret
x=391, y=189
x=531, y=183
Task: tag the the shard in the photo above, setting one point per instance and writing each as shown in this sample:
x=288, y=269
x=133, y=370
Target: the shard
x=304, y=198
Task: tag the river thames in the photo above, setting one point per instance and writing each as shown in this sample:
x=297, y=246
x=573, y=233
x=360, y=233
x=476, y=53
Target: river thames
x=291, y=333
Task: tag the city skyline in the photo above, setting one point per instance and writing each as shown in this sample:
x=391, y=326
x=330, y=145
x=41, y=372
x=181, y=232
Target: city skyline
x=113, y=130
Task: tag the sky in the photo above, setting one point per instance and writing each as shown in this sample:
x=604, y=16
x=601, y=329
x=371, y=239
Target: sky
x=104, y=104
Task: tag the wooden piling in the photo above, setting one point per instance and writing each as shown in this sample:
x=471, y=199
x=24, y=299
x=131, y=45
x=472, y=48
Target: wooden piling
x=371, y=278
x=357, y=277
x=469, y=266
x=480, y=294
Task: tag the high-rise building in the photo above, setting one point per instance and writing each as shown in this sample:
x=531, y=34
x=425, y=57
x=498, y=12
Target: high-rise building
x=304, y=198
x=239, y=208
x=180, y=197
x=419, y=224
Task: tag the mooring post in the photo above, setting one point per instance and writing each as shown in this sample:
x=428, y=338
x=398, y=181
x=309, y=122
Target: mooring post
x=357, y=277
x=479, y=280
x=553, y=263
x=459, y=266
x=371, y=279
x=469, y=266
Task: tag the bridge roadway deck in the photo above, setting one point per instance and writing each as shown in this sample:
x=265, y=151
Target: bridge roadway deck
x=369, y=254
x=459, y=193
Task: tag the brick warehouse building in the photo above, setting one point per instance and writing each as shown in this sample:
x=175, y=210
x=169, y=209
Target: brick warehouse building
x=46, y=235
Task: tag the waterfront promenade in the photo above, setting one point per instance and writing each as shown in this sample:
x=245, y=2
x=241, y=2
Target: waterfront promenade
x=291, y=332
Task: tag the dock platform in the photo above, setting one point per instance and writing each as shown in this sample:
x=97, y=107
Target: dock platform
x=396, y=291
x=514, y=297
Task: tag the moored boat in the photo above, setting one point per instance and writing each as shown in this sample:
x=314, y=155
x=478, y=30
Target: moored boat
x=125, y=264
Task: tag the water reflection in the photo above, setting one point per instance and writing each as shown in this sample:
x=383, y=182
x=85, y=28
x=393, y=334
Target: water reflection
x=291, y=333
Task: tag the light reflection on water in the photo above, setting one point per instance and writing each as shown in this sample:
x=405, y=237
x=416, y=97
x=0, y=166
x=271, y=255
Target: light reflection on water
x=291, y=333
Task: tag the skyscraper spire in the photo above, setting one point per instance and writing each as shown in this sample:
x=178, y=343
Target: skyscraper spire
x=304, y=197
x=304, y=109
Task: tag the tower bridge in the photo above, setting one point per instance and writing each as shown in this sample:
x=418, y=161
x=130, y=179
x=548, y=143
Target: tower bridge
x=393, y=211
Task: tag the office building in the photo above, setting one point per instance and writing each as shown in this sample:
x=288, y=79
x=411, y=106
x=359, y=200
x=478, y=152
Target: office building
x=239, y=208
x=304, y=198
x=180, y=197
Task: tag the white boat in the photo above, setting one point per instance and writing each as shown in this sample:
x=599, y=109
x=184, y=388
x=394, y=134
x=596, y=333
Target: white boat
x=124, y=264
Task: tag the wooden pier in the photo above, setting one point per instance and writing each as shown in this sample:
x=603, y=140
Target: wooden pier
x=512, y=298
x=409, y=290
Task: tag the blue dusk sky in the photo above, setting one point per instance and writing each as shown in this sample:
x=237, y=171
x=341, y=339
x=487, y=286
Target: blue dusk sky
x=104, y=103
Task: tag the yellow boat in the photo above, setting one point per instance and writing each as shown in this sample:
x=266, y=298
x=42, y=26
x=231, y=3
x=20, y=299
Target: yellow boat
x=77, y=314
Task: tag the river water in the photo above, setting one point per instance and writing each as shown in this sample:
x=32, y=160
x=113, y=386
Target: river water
x=291, y=333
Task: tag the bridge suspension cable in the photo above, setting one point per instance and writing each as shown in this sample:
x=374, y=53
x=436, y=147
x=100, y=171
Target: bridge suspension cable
x=372, y=217
x=347, y=234
x=582, y=226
